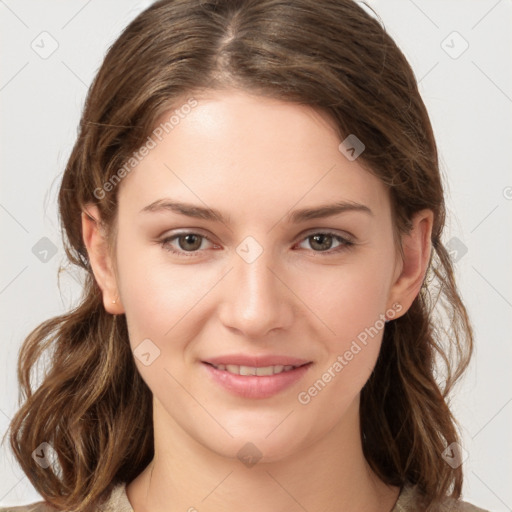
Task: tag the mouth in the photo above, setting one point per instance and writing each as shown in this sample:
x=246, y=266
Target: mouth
x=259, y=371
x=255, y=379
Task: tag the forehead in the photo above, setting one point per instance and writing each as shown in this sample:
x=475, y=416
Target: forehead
x=244, y=152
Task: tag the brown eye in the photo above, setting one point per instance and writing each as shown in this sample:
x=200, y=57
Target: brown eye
x=324, y=242
x=321, y=242
x=189, y=242
x=184, y=244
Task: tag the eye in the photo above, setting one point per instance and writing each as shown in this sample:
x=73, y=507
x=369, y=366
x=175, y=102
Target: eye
x=190, y=244
x=323, y=242
x=187, y=243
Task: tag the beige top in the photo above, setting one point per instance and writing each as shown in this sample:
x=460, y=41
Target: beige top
x=118, y=502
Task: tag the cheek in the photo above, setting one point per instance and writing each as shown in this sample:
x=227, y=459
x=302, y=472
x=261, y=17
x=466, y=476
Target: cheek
x=353, y=313
x=156, y=296
x=161, y=307
x=347, y=299
x=351, y=304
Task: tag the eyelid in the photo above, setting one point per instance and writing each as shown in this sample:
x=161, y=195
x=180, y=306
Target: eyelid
x=173, y=234
x=311, y=231
x=194, y=231
x=345, y=239
x=165, y=241
x=328, y=231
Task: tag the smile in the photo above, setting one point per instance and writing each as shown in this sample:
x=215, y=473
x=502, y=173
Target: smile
x=255, y=382
x=252, y=370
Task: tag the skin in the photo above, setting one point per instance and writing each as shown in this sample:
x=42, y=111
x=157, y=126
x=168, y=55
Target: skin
x=255, y=159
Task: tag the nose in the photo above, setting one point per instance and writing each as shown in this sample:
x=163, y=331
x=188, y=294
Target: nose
x=257, y=297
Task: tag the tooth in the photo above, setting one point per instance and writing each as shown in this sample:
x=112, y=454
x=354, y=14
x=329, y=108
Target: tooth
x=247, y=370
x=251, y=370
x=266, y=370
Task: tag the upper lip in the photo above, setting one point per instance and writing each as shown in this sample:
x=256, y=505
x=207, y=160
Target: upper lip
x=256, y=361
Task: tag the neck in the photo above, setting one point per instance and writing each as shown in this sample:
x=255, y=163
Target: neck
x=329, y=475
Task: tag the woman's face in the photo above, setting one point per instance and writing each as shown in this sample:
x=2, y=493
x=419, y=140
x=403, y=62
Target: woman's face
x=257, y=288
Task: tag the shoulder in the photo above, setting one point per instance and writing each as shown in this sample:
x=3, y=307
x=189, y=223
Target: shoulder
x=40, y=506
x=117, y=502
x=409, y=499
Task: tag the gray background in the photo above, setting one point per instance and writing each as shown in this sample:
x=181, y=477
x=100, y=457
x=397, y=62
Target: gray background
x=468, y=92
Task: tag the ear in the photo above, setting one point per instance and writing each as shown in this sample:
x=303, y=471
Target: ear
x=95, y=240
x=417, y=249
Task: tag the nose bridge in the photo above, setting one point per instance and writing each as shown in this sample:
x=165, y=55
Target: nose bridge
x=256, y=300
x=255, y=280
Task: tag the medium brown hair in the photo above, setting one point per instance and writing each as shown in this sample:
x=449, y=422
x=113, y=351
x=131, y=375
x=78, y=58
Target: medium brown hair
x=92, y=405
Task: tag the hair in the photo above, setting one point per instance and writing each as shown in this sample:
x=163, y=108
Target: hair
x=92, y=406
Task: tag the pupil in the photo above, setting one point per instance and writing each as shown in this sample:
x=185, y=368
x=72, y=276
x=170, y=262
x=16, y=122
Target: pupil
x=321, y=240
x=190, y=239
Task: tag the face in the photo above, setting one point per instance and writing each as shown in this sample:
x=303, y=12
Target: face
x=271, y=282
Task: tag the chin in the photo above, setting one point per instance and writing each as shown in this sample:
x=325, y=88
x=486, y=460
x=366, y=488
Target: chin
x=265, y=442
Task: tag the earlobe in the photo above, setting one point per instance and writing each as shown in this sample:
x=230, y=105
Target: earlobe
x=95, y=241
x=417, y=247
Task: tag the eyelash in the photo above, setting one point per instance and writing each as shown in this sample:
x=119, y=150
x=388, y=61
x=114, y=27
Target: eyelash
x=345, y=243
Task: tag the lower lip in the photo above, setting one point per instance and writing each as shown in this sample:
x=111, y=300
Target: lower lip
x=253, y=386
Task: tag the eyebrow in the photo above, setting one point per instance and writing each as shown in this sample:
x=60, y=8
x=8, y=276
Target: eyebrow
x=295, y=217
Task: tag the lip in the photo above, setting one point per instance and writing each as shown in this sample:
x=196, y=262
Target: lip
x=256, y=361
x=255, y=386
